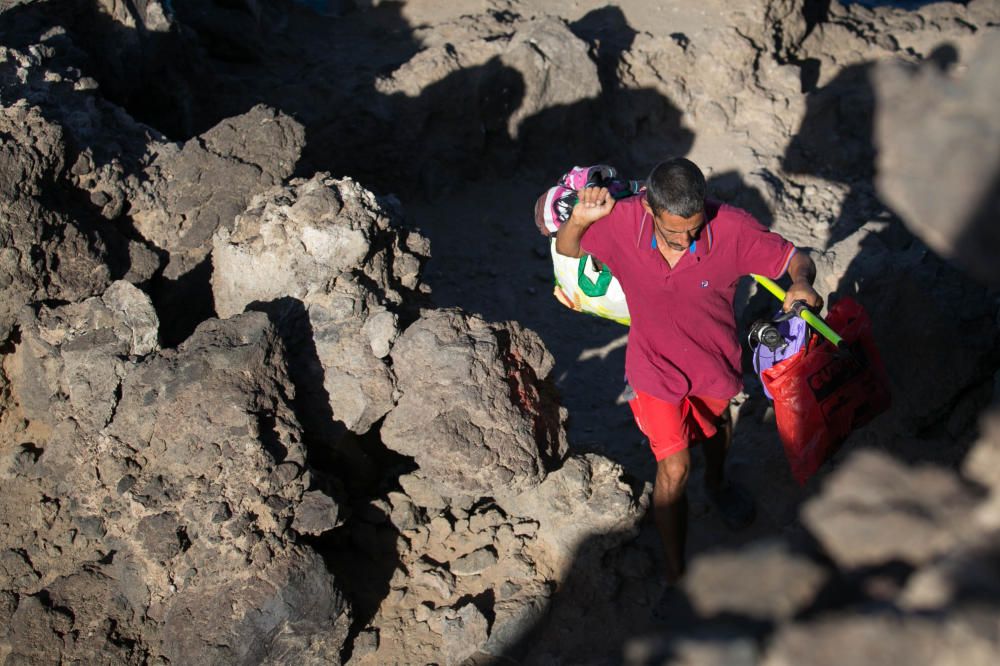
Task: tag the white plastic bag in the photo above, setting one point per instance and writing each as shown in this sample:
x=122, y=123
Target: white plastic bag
x=581, y=287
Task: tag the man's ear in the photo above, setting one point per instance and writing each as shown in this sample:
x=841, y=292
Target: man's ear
x=645, y=204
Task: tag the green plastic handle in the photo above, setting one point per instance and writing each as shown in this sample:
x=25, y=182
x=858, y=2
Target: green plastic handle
x=588, y=286
x=810, y=318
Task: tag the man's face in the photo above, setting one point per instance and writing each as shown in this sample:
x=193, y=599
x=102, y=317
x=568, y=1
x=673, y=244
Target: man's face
x=674, y=231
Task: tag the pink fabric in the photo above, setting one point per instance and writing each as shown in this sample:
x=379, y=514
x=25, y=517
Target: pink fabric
x=683, y=340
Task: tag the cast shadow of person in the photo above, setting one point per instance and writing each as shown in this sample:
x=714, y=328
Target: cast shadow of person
x=504, y=184
x=834, y=142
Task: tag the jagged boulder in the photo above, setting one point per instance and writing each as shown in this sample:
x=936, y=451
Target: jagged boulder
x=34, y=154
x=227, y=487
x=184, y=514
x=72, y=359
x=938, y=135
x=43, y=254
x=192, y=189
x=507, y=557
x=141, y=199
x=302, y=237
x=286, y=610
x=474, y=412
x=876, y=510
x=98, y=147
x=587, y=498
x=321, y=257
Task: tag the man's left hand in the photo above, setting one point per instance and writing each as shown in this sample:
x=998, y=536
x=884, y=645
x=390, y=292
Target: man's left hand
x=801, y=290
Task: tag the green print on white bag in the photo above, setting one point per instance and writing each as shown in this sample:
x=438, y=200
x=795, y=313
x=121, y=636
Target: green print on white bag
x=581, y=287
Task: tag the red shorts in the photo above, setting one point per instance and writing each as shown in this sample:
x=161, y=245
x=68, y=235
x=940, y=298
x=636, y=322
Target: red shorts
x=672, y=427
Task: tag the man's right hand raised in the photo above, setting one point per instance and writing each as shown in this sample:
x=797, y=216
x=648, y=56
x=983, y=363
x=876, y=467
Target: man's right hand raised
x=593, y=204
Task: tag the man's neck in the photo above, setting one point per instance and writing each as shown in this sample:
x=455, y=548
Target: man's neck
x=670, y=255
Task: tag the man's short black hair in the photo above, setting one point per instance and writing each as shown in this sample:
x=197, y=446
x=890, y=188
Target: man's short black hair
x=676, y=186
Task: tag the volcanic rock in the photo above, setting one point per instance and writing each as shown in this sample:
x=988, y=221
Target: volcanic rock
x=876, y=510
x=586, y=497
x=473, y=411
x=464, y=630
x=880, y=639
x=193, y=189
x=763, y=581
x=474, y=563
x=72, y=359
x=316, y=514
x=944, y=184
x=43, y=254
x=319, y=256
x=186, y=504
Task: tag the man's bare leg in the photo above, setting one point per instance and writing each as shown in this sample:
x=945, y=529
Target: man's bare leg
x=734, y=504
x=716, y=447
x=670, y=510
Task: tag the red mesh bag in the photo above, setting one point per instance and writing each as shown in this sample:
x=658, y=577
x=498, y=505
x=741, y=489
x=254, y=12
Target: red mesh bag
x=821, y=393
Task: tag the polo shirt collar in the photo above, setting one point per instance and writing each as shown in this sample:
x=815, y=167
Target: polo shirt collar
x=704, y=240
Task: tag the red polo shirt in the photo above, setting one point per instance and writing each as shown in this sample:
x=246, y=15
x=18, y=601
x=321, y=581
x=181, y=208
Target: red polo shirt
x=683, y=335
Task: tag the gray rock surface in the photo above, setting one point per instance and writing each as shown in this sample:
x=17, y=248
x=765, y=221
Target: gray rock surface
x=422, y=492
x=72, y=359
x=585, y=498
x=883, y=639
x=463, y=630
x=320, y=257
x=186, y=506
x=474, y=412
x=939, y=153
x=876, y=510
x=43, y=254
x=193, y=189
x=316, y=514
x=763, y=581
x=474, y=563
x=515, y=617
x=156, y=502
x=480, y=85
x=101, y=147
x=289, y=610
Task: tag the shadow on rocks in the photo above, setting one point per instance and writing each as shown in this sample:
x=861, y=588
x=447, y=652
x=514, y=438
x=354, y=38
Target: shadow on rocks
x=834, y=141
x=357, y=471
x=648, y=122
x=312, y=401
x=920, y=305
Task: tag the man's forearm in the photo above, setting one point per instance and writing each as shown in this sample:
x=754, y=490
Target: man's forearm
x=568, y=238
x=802, y=268
x=592, y=204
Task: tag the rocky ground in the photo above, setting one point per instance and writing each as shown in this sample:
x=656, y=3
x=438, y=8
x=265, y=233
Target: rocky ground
x=283, y=382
